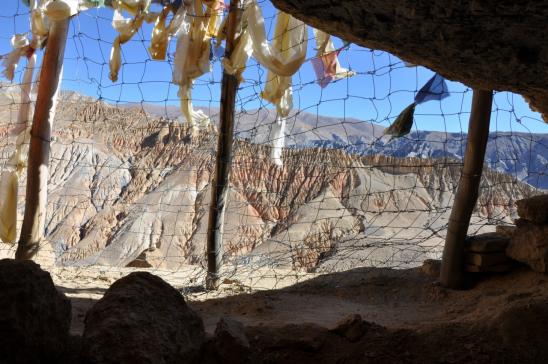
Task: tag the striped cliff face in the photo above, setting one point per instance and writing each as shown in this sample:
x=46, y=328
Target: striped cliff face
x=131, y=188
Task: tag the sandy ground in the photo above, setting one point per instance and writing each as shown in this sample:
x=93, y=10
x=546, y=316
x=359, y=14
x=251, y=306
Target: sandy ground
x=396, y=299
x=84, y=286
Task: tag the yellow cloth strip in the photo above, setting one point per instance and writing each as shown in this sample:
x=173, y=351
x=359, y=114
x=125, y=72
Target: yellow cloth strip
x=9, y=180
x=192, y=54
x=126, y=27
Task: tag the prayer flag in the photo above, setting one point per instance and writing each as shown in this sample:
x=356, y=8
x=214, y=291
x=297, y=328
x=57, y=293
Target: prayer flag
x=325, y=67
x=434, y=89
x=403, y=123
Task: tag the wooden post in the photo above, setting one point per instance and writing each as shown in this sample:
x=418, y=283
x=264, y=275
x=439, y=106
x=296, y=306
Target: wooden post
x=32, y=230
x=452, y=267
x=219, y=184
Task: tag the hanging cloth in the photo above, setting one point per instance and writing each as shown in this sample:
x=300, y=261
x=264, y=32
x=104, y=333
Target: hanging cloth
x=62, y=9
x=215, y=10
x=39, y=24
x=435, y=89
x=126, y=27
x=161, y=33
x=287, y=35
x=252, y=41
x=160, y=36
x=236, y=63
x=20, y=44
x=282, y=58
x=326, y=63
x=192, y=55
x=403, y=123
x=9, y=180
x=267, y=55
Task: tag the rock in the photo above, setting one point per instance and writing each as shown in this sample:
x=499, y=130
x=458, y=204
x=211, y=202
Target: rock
x=142, y=319
x=34, y=316
x=534, y=209
x=431, y=267
x=149, y=259
x=231, y=343
x=506, y=230
x=529, y=245
x=353, y=328
x=486, y=243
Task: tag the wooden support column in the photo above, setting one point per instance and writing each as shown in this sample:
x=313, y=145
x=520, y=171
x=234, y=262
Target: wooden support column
x=219, y=184
x=32, y=230
x=452, y=267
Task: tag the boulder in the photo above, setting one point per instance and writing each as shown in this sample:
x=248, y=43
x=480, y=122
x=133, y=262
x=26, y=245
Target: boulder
x=529, y=245
x=431, y=268
x=353, y=328
x=231, y=343
x=142, y=319
x=534, y=209
x=34, y=316
x=149, y=258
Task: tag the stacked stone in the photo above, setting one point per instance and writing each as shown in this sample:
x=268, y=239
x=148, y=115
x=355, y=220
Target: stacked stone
x=486, y=253
x=529, y=241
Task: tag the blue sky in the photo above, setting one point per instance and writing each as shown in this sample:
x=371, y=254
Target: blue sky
x=382, y=87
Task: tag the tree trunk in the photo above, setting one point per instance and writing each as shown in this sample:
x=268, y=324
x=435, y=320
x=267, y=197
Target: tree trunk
x=452, y=267
x=32, y=230
x=219, y=184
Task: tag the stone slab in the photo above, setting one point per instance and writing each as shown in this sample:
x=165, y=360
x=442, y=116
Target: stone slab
x=486, y=243
x=486, y=259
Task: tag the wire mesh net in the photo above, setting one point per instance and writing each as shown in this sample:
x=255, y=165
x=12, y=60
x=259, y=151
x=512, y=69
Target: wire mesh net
x=130, y=177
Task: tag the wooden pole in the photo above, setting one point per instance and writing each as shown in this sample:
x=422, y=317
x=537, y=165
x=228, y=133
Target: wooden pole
x=452, y=267
x=219, y=184
x=32, y=229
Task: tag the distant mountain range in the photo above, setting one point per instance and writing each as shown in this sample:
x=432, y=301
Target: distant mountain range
x=521, y=155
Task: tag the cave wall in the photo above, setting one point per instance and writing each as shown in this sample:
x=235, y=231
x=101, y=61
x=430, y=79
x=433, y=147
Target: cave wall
x=486, y=44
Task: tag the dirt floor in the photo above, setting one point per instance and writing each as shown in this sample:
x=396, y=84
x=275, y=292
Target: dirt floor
x=391, y=298
x=408, y=306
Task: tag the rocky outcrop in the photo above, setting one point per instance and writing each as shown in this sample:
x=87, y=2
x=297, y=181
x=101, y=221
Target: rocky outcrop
x=131, y=188
x=529, y=245
x=498, y=45
x=296, y=214
x=529, y=240
x=34, y=316
x=534, y=209
x=141, y=319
